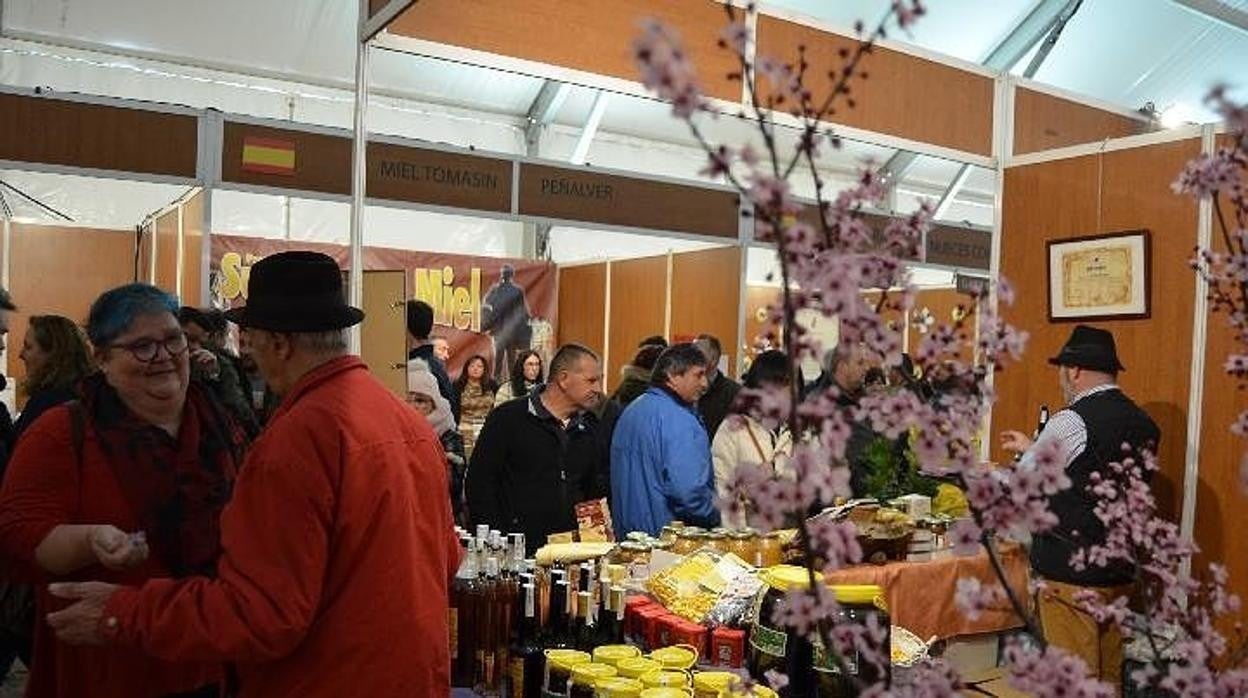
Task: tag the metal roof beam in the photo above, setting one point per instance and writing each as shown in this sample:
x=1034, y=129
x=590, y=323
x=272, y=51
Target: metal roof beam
x=1033, y=28
x=951, y=192
x=1219, y=12
x=542, y=112
x=590, y=129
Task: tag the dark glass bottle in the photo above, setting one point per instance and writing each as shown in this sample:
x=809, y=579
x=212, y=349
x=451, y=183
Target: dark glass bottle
x=586, y=629
x=557, y=627
x=463, y=620
x=525, y=671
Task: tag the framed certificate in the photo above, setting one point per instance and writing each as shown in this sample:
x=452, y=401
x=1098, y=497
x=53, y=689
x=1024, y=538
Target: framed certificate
x=1100, y=277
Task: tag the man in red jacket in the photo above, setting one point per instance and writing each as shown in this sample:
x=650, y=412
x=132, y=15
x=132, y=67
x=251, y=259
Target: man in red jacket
x=338, y=545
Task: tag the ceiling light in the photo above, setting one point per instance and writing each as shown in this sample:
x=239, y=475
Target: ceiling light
x=1178, y=114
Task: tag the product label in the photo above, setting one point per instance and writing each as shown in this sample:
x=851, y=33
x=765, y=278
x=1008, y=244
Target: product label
x=453, y=624
x=824, y=662
x=769, y=641
x=517, y=678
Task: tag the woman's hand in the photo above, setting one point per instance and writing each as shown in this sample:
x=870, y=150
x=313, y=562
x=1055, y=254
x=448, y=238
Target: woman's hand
x=116, y=549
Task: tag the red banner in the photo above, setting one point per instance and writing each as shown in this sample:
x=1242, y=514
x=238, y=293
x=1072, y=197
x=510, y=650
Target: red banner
x=483, y=305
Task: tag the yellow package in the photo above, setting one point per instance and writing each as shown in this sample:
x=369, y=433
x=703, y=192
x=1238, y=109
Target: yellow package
x=950, y=501
x=691, y=587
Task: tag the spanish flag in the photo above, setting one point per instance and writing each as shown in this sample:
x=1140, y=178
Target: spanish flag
x=268, y=156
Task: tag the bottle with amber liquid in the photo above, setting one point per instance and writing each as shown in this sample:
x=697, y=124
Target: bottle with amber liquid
x=525, y=667
x=487, y=618
x=463, y=622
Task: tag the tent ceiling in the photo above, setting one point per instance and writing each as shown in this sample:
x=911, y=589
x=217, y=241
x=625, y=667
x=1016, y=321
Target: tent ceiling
x=1123, y=51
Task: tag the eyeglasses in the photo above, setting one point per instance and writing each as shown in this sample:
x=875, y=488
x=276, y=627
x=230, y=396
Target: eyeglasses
x=146, y=350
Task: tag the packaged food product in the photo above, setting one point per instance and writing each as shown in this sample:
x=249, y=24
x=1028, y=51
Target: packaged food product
x=681, y=657
x=727, y=647
x=620, y=687
x=665, y=678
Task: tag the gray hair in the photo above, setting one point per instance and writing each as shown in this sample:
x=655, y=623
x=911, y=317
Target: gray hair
x=327, y=342
x=675, y=361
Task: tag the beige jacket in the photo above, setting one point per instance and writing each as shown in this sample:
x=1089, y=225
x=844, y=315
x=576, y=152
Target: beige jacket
x=742, y=440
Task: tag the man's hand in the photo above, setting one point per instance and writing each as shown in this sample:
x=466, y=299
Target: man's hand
x=207, y=362
x=116, y=549
x=1015, y=441
x=80, y=623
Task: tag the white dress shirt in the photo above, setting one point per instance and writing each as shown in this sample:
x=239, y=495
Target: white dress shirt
x=1068, y=428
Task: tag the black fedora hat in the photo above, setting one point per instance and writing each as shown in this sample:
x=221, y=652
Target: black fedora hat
x=296, y=291
x=1091, y=348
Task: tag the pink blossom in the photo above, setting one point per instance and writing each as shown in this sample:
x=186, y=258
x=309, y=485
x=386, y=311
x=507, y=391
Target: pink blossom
x=1209, y=174
x=964, y=537
x=973, y=597
x=735, y=36
x=908, y=12
x=1052, y=673
x=931, y=678
x=1237, y=365
x=801, y=610
x=836, y=542
x=666, y=69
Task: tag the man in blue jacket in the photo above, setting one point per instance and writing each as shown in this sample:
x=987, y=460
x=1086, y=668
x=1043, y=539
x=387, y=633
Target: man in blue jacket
x=660, y=454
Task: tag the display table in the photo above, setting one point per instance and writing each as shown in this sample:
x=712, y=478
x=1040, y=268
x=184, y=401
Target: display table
x=920, y=595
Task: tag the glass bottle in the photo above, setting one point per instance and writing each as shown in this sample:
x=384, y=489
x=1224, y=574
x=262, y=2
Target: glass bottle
x=525, y=672
x=462, y=621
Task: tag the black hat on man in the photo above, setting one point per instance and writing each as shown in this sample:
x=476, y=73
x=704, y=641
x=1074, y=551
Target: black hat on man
x=297, y=291
x=1090, y=348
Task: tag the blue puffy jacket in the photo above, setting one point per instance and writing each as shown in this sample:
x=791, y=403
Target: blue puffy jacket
x=661, y=466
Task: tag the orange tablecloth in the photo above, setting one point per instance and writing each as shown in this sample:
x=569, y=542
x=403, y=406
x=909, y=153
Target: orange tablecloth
x=920, y=594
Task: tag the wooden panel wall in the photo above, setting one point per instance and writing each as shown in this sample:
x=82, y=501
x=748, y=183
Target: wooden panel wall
x=192, y=251
x=60, y=132
x=941, y=302
x=583, y=306
x=1220, y=501
x=167, y=251
x=1059, y=200
x=956, y=109
x=638, y=306
x=706, y=297
x=593, y=35
x=142, y=271
x=1044, y=122
x=85, y=262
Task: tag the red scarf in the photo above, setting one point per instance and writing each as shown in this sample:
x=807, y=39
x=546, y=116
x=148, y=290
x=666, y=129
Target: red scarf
x=176, y=487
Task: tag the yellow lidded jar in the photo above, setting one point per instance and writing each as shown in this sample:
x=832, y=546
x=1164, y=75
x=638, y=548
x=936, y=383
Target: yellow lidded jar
x=613, y=654
x=619, y=687
x=585, y=678
x=709, y=684
x=680, y=657
x=665, y=679
x=666, y=693
x=634, y=668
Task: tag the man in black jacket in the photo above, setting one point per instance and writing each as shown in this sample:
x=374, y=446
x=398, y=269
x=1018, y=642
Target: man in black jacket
x=537, y=458
x=420, y=348
x=1089, y=433
x=716, y=403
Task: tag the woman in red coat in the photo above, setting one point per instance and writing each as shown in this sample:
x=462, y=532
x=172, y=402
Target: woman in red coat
x=126, y=484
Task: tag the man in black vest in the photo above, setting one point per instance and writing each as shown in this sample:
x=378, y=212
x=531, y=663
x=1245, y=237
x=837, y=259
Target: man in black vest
x=1098, y=420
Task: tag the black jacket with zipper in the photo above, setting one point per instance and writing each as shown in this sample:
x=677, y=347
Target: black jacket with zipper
x=528, y=472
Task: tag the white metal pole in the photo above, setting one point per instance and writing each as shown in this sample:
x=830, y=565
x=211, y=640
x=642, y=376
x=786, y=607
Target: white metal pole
x=358, y=181
x=1196, y=386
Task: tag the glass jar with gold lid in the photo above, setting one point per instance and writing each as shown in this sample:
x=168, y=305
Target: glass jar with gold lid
x=744, y=544
x=689, y=540
x=770, y=550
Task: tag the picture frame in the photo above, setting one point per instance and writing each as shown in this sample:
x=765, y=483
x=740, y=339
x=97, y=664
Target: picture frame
x=1100, y=277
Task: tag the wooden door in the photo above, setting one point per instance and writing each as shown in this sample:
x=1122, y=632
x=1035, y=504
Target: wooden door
x=383, y=336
